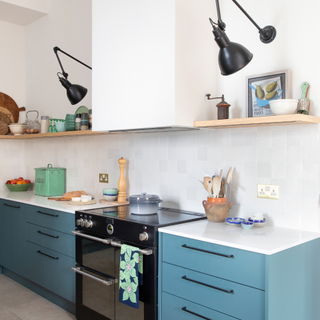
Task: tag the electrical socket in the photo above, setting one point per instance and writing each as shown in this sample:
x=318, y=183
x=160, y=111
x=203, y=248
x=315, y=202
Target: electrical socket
x=104, y=177
x=268, y=191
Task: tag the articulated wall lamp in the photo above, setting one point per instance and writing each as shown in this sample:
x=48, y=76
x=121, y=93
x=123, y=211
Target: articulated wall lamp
x=75, y=92
x=233, y=56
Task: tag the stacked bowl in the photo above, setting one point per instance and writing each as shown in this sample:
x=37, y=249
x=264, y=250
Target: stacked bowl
x=110, y=194
x=71, y=122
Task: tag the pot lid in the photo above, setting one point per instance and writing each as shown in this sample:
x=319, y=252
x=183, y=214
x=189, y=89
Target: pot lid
x=50, y=168
x=144, y=198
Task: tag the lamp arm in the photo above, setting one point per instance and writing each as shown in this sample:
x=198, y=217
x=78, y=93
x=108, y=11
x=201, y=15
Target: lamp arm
x=221, y=24
x=56, y=49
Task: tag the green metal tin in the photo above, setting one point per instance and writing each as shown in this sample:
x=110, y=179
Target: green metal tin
x=50, y=181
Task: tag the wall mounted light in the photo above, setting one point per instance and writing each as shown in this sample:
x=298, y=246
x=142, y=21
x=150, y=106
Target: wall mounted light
x=233, y=56
x=75, y=92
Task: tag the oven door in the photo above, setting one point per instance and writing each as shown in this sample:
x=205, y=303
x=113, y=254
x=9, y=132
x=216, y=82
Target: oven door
x=97, y=281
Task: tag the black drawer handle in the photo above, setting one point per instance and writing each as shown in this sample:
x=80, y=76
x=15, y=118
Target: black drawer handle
x=49, y=235
x=211, y=252
x=207, y=285
x=48, y=214
x=196, y=314
x=10, y=205
x=47, y=255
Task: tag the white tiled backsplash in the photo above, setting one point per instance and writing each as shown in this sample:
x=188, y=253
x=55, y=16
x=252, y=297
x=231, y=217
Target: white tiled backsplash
x=170, y=165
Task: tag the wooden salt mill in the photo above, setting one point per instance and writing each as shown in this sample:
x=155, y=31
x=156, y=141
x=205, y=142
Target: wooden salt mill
x=122, y=184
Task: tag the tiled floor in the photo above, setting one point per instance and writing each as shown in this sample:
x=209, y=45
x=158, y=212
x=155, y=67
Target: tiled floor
x=19, y=303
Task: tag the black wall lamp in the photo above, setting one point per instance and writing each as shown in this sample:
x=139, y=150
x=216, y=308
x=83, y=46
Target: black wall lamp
x=75, y=92
x=233, y=56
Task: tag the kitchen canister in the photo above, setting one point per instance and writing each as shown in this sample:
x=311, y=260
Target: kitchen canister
x=78, y=121
x=44, y=124
x=50, y=181
x=90, y=119
x=84, y=121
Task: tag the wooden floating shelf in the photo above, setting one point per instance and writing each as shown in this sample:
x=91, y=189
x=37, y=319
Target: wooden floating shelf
x=86, y=133
x=288, y=119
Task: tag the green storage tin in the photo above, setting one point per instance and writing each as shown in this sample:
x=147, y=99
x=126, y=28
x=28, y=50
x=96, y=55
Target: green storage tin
x=50, y=181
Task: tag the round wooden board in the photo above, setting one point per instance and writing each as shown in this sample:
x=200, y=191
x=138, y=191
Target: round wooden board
x=79, y=203
x=9, y=104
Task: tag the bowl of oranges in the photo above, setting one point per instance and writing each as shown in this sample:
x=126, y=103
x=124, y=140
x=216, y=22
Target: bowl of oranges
x=19, y=184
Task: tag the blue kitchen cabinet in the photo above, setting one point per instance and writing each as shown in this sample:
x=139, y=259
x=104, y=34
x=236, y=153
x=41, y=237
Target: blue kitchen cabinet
x=202, y=280
x=12, y=235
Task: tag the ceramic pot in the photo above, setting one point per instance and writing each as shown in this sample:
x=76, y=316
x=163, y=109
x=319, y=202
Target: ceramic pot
x=217, y=212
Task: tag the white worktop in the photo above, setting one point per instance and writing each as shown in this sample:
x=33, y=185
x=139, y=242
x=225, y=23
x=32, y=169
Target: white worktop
x=266, y=240
x=28, y=197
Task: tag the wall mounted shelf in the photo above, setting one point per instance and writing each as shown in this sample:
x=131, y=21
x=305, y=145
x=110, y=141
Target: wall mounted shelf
x=86, y=133
x=288, y=119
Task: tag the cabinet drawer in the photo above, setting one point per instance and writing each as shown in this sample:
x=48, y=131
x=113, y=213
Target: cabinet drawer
x=225, y=262
x=51, y=239
x=215, y=293
x=52, y=219
x=51, y=270
x=179, y=309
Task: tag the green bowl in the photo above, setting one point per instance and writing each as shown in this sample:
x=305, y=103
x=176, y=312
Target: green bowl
x=19, y=187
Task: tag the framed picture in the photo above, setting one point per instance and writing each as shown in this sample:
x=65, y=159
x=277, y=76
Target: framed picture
x=262, y=88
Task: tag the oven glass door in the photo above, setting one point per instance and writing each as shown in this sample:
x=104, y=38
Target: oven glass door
x=97, y=284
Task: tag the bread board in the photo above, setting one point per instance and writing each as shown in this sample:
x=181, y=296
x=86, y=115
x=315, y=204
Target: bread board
x=113, y=203
x=8, y=103
x=79, y=203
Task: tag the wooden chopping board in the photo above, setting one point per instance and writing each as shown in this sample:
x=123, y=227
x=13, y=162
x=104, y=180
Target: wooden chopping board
x=9, y=104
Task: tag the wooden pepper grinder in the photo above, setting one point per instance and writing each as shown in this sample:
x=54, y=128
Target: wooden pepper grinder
x=122, y=184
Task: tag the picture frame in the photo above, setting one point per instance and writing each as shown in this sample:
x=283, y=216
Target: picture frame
x=262, y=88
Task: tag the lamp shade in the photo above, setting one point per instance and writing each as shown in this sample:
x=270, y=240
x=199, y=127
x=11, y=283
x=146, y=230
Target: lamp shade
x=75, y=92
x=232, y=56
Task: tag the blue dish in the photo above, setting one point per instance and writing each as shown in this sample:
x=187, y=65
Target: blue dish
x=247, y=224
x=258, y=223
x=234, y=221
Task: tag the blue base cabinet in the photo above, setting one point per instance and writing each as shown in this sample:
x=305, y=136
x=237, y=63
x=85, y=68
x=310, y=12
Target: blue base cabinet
x=200, y=280
x=37, y=248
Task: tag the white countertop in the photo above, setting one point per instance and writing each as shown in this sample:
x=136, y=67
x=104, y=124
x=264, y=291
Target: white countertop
x=266, y=240
x=28, y=197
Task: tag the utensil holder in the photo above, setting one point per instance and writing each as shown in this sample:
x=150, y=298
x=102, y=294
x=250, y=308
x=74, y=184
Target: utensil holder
x=217, y=212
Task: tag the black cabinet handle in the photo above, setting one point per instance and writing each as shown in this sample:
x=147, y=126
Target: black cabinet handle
x=10, y=205
x=48, y=235
x=211, y=252
x=49, y=214
x=196, y=314
x=47, y=255
x=207, y=285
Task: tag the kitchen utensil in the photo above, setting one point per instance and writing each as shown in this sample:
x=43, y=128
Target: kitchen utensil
x=144, y=203
x=19, y=187
x=228, y=180
x=8, y=103
x=283, y=106
x=82, y=109
x=33, y=124
x=8, y=113
x=216, y=185
x=234, y=221
x=304, y=102
x=50, y=181
x=17, y=128
x=216, y=212
x=207, y=183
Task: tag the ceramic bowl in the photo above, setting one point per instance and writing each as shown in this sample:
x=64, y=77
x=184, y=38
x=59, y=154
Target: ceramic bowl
x=258, y=223
x=283, y=106
x=19, y=187
x=246, y=224
x=236, y=222
x=110, y=191
x=110, y=197
x=85, y=198
x=60, y=126
x=17, y=128
x=76, y=199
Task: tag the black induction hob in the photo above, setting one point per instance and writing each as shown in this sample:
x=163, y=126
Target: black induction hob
x=118, y=222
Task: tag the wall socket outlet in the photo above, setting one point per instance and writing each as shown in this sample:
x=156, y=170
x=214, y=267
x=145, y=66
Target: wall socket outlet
x=104, y=177
x=268, y=191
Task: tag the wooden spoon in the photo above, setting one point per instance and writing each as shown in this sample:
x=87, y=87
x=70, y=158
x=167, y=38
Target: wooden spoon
x=207, y=183
x=216, y=186
x=228, y=179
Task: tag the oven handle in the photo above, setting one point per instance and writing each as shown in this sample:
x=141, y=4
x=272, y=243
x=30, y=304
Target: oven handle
x=78, y=270
x=145, y=252
x=84, y=235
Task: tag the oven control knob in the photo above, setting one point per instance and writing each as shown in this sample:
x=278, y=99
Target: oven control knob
x=110, y=228
x=79, y=222
x=83, y=222
x=143, y=236
x=88, y=224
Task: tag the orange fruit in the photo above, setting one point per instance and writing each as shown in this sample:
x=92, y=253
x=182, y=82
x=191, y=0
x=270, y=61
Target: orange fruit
x=19, y=182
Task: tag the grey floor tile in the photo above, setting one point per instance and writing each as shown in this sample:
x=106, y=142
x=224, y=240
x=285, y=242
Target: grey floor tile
x=6, y=314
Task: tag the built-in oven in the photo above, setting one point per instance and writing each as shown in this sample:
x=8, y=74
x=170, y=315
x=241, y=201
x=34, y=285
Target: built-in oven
x=97, y=280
